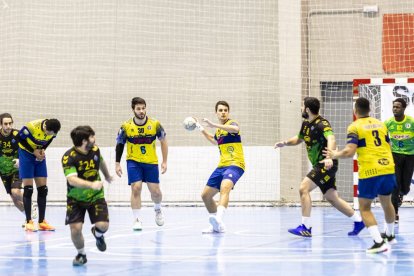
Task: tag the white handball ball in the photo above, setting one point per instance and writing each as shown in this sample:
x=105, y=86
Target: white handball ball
x=189, y=123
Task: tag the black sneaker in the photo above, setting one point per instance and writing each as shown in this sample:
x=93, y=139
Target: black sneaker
x=79, y=260
x=378, y=247
x=100, y=242
x=390, y=239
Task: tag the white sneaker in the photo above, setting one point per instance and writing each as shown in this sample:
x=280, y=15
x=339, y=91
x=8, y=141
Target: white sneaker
x=34, y=211
x=159, y=218
x=137, y=226
x=218, y=225
x=208, y=230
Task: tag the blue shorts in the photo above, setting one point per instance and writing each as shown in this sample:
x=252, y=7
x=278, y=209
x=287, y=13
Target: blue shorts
x=29, y=167
x=142, y=172
x=232, y=173
x=378, y=185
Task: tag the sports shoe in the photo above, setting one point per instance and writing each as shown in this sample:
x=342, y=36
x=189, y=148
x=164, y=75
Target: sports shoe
x=100, y=242
x=390, y=239
x=30, y=226
x=159, y=218
x=397, y=219
x=358, y=226
x=34, y=211
x=302, y=231
x=137, y=226
x=378, y=247
x=45, y=226
x=210, y=230
x=216, y=223
x=79, y=260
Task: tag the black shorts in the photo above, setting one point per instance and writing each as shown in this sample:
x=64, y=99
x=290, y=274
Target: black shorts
x=324, y=179
x=75, y=211
x=11, y=181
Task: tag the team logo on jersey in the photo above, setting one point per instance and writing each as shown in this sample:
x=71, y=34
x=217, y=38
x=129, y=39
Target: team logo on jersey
x=230, y=175
x=383, y=161
x=90, y=173
x=13, y=141
x=407, y=125
x=312, y=128
x=95, y=158
x=306, y=138
x=149, y=127
x=65, y=159
x=230, y=149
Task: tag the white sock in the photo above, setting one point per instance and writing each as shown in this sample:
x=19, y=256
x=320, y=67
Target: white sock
x=220, y=211
x=375, y=233
x=356, y=217
x=82, y=251
x=389, y=230
x=157, y=206
x=212, y=214
x=135, y=213
x=306, y=221
x=98, y=234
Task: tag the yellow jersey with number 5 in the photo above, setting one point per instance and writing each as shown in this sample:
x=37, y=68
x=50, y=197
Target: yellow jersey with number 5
x=230, y=146
x=140, y=140
x=374, y=151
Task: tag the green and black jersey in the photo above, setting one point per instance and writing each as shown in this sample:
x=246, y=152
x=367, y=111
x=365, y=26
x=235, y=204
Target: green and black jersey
x=84, y=166
x=315, y=134
x=9, y=146
x=401, y=134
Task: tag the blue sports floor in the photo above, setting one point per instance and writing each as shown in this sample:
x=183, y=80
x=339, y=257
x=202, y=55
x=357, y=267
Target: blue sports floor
x=256, y=243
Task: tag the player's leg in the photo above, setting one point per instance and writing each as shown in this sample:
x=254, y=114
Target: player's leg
x=42, y=191
x=217, y=221
x=151, y=177
x=135, y=176
x=98, y=213
x=367, y=191
x=208, y=198
x=395, y=197
x=17, y=197
x=13, y=187
x=342, y=206
x=75, y=215
x=26, y=173
x=389, y=214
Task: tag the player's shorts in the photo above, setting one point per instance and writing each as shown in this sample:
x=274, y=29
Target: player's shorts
x=11, y=181
x=232, y=173
x=377, y=185
x=142, y=172
x=29, y=167
x=324, y=179
x=76, y=210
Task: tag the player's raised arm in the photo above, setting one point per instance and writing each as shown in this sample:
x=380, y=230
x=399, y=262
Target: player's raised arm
x=293, y=141
x=230, y=128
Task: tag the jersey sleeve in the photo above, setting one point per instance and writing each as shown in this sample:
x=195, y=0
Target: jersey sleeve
x=160, y=132
x=326, y=128
x=352, y=135
x=121, y=138
x=69, y=167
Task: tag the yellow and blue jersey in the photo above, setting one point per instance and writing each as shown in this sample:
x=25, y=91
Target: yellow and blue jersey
x=140, y=140
x=230, y=146
x=34, y=135
x=374, y=151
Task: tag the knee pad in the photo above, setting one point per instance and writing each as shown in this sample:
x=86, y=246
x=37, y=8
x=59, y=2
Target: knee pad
x=42, y=191
x=27, y=191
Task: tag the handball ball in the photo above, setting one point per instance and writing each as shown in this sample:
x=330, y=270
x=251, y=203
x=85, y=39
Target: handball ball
x=189, y=123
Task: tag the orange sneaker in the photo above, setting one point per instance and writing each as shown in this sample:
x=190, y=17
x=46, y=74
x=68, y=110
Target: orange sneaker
x=30, y=226
x=45, y=226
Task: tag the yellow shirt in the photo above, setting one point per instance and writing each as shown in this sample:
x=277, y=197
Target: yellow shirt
x=33, y=133
x=374, y=151
x=230, y=146
x=140, y=140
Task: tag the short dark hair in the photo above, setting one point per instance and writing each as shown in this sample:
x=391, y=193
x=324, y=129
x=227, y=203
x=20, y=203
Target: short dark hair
x=312, y=103
x=401, y=101
x=362, y=106
x=52, y=125
x=80, y=133
x=222, y=103
x=5, y=115
x=137, y=100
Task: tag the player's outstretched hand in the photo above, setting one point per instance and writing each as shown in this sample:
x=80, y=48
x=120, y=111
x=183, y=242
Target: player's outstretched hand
x=328, y=163
x=330, y=154
x=97, y=185
x=118, y=169
x=208, y=122
x=280, y=144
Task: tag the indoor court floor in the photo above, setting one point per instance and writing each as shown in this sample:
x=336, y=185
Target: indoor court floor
x=256, y=243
